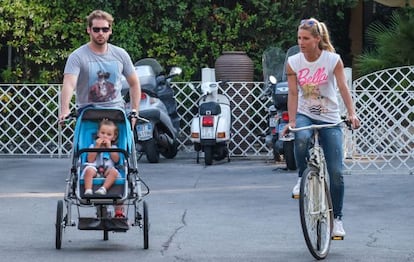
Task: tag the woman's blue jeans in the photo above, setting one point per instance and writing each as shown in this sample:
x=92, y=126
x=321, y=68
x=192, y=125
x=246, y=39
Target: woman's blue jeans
x=331, y=140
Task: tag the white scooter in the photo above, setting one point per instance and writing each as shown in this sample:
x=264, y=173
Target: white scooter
x=210, y=129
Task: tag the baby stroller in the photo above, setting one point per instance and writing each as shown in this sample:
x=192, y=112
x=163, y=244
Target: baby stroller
x=125, y=191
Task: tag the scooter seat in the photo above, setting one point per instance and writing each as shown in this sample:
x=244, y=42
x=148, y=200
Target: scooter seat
x=210, y=108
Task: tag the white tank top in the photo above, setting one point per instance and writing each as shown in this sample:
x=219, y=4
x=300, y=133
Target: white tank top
x=317, y=97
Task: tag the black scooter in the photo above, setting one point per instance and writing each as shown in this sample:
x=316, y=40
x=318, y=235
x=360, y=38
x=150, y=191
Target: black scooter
x=158, y=124
x=274, y=62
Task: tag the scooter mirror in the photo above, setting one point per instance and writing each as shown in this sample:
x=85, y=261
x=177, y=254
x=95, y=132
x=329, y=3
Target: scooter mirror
x=272, y=79
x=175, y=70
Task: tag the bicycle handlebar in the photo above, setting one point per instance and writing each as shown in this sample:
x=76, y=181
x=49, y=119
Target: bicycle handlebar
x=320, y=126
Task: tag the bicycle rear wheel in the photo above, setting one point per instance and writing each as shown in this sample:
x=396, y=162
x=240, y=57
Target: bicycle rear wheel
x=316, y=214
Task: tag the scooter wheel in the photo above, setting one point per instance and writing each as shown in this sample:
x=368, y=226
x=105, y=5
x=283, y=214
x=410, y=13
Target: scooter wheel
x=171, y=151
x=151, y=151
x=208, y=155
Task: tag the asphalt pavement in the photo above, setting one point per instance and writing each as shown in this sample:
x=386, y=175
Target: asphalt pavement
x=231, y=211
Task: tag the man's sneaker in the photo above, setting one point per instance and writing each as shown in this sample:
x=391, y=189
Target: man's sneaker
x=296, y=189
x=101, y=191
x=338, y=228
x=88, y=191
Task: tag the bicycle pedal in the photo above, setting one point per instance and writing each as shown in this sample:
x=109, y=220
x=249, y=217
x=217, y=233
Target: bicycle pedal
x=337, y=237
x=295, y=196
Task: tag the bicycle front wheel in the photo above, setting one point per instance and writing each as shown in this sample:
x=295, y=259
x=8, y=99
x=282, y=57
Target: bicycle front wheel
x=316, y=214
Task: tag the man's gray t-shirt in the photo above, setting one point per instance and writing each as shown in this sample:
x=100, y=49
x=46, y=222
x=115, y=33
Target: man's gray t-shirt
x=99, y=75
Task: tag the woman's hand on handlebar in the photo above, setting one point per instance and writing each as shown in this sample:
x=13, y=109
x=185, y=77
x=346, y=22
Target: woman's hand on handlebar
x=285, y=130
x=354, y=121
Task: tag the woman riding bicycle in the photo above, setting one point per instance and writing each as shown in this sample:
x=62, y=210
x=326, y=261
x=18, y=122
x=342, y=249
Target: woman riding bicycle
x=314, y=75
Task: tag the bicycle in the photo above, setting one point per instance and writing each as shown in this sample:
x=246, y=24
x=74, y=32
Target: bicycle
x=315, y=204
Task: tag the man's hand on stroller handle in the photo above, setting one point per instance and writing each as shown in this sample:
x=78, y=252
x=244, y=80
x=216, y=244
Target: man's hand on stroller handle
x=66, y=118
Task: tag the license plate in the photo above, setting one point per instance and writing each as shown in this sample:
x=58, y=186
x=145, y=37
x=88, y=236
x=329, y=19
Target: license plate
x=207, y=133
x=144, y=131
x=273, y=121
x=287, y=137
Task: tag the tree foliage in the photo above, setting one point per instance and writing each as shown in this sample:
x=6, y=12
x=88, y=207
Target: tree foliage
x=41, y=35
x=393, y=45
x=191, y=34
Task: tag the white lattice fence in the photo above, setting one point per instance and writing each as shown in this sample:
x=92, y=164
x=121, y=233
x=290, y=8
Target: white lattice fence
x=385, y=104
x=28, y=120
x=384, y=101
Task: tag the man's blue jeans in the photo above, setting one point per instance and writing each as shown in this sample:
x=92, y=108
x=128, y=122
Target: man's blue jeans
x=331, y=140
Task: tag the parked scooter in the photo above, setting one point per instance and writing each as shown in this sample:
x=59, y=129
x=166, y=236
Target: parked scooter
x=210, y=129
x=158, y=123
x=274, y=70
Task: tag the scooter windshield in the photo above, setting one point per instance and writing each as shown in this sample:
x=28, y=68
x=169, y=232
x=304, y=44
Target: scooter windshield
x=273, y=59
x=274, y=62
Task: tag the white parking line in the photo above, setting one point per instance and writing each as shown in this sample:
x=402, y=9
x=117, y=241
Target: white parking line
x=162, y=191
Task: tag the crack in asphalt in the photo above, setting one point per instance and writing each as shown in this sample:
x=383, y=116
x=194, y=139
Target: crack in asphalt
x=373, y=238
x=197, y=180
x=410, y=257
x=167, y=244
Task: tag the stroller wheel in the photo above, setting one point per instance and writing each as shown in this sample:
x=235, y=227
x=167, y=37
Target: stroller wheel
x=145, y=225
x=59, y=224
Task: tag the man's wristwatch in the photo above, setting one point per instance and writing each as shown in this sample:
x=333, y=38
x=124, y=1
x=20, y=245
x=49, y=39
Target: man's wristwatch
x=133, y=113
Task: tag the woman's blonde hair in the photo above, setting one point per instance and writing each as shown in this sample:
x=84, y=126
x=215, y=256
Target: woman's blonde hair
x=320, y=29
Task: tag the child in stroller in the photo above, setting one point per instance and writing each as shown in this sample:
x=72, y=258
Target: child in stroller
x=102, y=164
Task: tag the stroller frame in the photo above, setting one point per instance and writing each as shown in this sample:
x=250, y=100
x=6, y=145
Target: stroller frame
x=125, y=191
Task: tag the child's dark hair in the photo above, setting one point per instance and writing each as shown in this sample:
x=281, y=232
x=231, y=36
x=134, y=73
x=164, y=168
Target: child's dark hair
x=107, y=122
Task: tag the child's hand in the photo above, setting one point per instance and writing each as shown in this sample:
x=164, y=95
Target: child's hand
x=106, y=143
x=100, y=142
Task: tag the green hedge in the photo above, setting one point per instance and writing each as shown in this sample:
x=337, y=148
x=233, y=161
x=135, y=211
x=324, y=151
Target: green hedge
x=192, y=34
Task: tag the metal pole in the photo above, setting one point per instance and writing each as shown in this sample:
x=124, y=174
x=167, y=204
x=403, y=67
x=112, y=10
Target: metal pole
x=9, y=56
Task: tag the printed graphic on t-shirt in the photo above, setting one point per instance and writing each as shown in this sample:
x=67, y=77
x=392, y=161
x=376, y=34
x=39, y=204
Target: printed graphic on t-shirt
x=311, y=89
x=101, y=82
